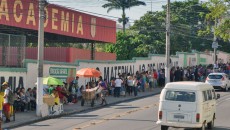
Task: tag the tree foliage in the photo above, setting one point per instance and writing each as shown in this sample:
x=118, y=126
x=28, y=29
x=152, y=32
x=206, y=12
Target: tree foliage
x=123, y=48
x=147, y=35
x=217, y=20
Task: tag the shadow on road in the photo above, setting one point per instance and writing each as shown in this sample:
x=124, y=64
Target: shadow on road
x=215, y=128
x=221, y=128
x=120, y=105
x=128, y=107
x=82, y=116
x=132, y=120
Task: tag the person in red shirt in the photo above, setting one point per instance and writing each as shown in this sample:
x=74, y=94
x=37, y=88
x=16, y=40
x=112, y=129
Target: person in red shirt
x=63, y=99
x=155, y=77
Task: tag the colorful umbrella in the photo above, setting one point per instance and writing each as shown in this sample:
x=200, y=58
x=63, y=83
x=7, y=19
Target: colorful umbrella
x=52, y=81
x=88, y=72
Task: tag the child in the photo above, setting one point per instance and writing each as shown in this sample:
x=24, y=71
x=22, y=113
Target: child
x=56, y=96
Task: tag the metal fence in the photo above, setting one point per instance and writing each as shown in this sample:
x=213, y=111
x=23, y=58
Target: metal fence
x=12, y=50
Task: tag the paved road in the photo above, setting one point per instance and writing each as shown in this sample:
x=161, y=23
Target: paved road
x=135, y=115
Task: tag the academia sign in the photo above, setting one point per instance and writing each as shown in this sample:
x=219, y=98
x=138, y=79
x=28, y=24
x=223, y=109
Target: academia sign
x=58, y=20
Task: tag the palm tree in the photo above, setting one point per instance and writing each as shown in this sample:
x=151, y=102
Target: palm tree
x=122, y=4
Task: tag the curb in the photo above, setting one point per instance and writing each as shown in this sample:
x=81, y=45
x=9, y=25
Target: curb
x=76, y=111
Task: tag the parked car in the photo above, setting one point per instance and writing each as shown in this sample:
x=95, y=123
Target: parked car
x=187, y=105
x=218, y=81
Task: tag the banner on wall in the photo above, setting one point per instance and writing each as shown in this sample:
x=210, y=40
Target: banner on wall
x=65, y=74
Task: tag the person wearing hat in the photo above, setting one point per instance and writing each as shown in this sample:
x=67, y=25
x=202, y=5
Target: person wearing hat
x=6, y=104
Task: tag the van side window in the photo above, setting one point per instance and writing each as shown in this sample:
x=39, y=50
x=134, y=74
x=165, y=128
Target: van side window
x=170, y=95
x=214, y=94
x=209, y=92
x=205, y=97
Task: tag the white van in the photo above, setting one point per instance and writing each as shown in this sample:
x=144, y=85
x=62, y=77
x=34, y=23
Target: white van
x=187, y=105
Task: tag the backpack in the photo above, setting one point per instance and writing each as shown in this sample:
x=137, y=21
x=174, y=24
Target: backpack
x=11, y=97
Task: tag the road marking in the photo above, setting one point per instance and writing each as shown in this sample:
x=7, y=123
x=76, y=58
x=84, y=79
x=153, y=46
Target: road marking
x=105, y=119
x=227, y=99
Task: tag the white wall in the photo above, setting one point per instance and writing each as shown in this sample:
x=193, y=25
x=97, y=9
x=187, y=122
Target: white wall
x=15, y=79
x=28, y=75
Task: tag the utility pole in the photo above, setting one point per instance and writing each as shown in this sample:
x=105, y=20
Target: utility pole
x=39, y=99
x=93, y=51
x=215, y=43
x=151, y=6
x=167, y=51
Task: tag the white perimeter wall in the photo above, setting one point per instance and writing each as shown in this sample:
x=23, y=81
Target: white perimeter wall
x=27, y=76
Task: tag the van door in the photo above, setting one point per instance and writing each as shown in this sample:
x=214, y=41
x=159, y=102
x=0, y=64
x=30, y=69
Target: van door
x=179, y=105
x=213, y=103
x=209, y=105
x=205, y=106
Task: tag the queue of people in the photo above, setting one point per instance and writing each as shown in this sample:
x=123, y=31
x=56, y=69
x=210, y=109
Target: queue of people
x=124, y=84
x=197, y=73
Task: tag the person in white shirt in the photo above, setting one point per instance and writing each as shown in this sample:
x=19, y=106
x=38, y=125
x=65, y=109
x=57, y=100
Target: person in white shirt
x=130, y=85
x=117, y=89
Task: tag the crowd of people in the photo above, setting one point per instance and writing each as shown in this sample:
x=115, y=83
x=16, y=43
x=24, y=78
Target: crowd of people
x=124, y=84
x=197, y=73
x=21, y=100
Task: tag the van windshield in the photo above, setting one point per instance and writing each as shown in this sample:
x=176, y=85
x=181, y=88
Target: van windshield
x=184, y=96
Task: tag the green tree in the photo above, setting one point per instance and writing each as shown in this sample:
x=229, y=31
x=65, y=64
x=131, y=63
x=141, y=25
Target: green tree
x=149, y=36
x=124, y=47
x=123, y=5
x=151, y=33
x=185, y=23
x=217, y=20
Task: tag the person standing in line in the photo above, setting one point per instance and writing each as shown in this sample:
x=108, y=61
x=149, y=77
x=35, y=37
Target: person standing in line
x=73, y=93
x=112, y=86
x=143, y=81
x=130, y=85
x=162, y=78
x=172, y=74
x=6, y=104
x=196, y=73
x=150, y=77
x=182, y=74
x=136, y=83
x=118, y=83
x=75, y=82
x=177, y=75
x=155, y=77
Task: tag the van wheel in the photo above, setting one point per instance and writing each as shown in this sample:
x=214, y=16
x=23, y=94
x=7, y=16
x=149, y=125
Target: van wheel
x=226, y=88
x=202, y=128
x=163, y=127
x=211, y=124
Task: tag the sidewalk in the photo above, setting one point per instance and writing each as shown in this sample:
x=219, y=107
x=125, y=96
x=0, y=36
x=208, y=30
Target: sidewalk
x=24, y=118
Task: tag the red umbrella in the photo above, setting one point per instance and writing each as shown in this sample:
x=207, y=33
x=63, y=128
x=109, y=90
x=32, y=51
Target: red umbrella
x=88, y=72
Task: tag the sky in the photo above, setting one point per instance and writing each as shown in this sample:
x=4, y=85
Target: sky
x=94, y=7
